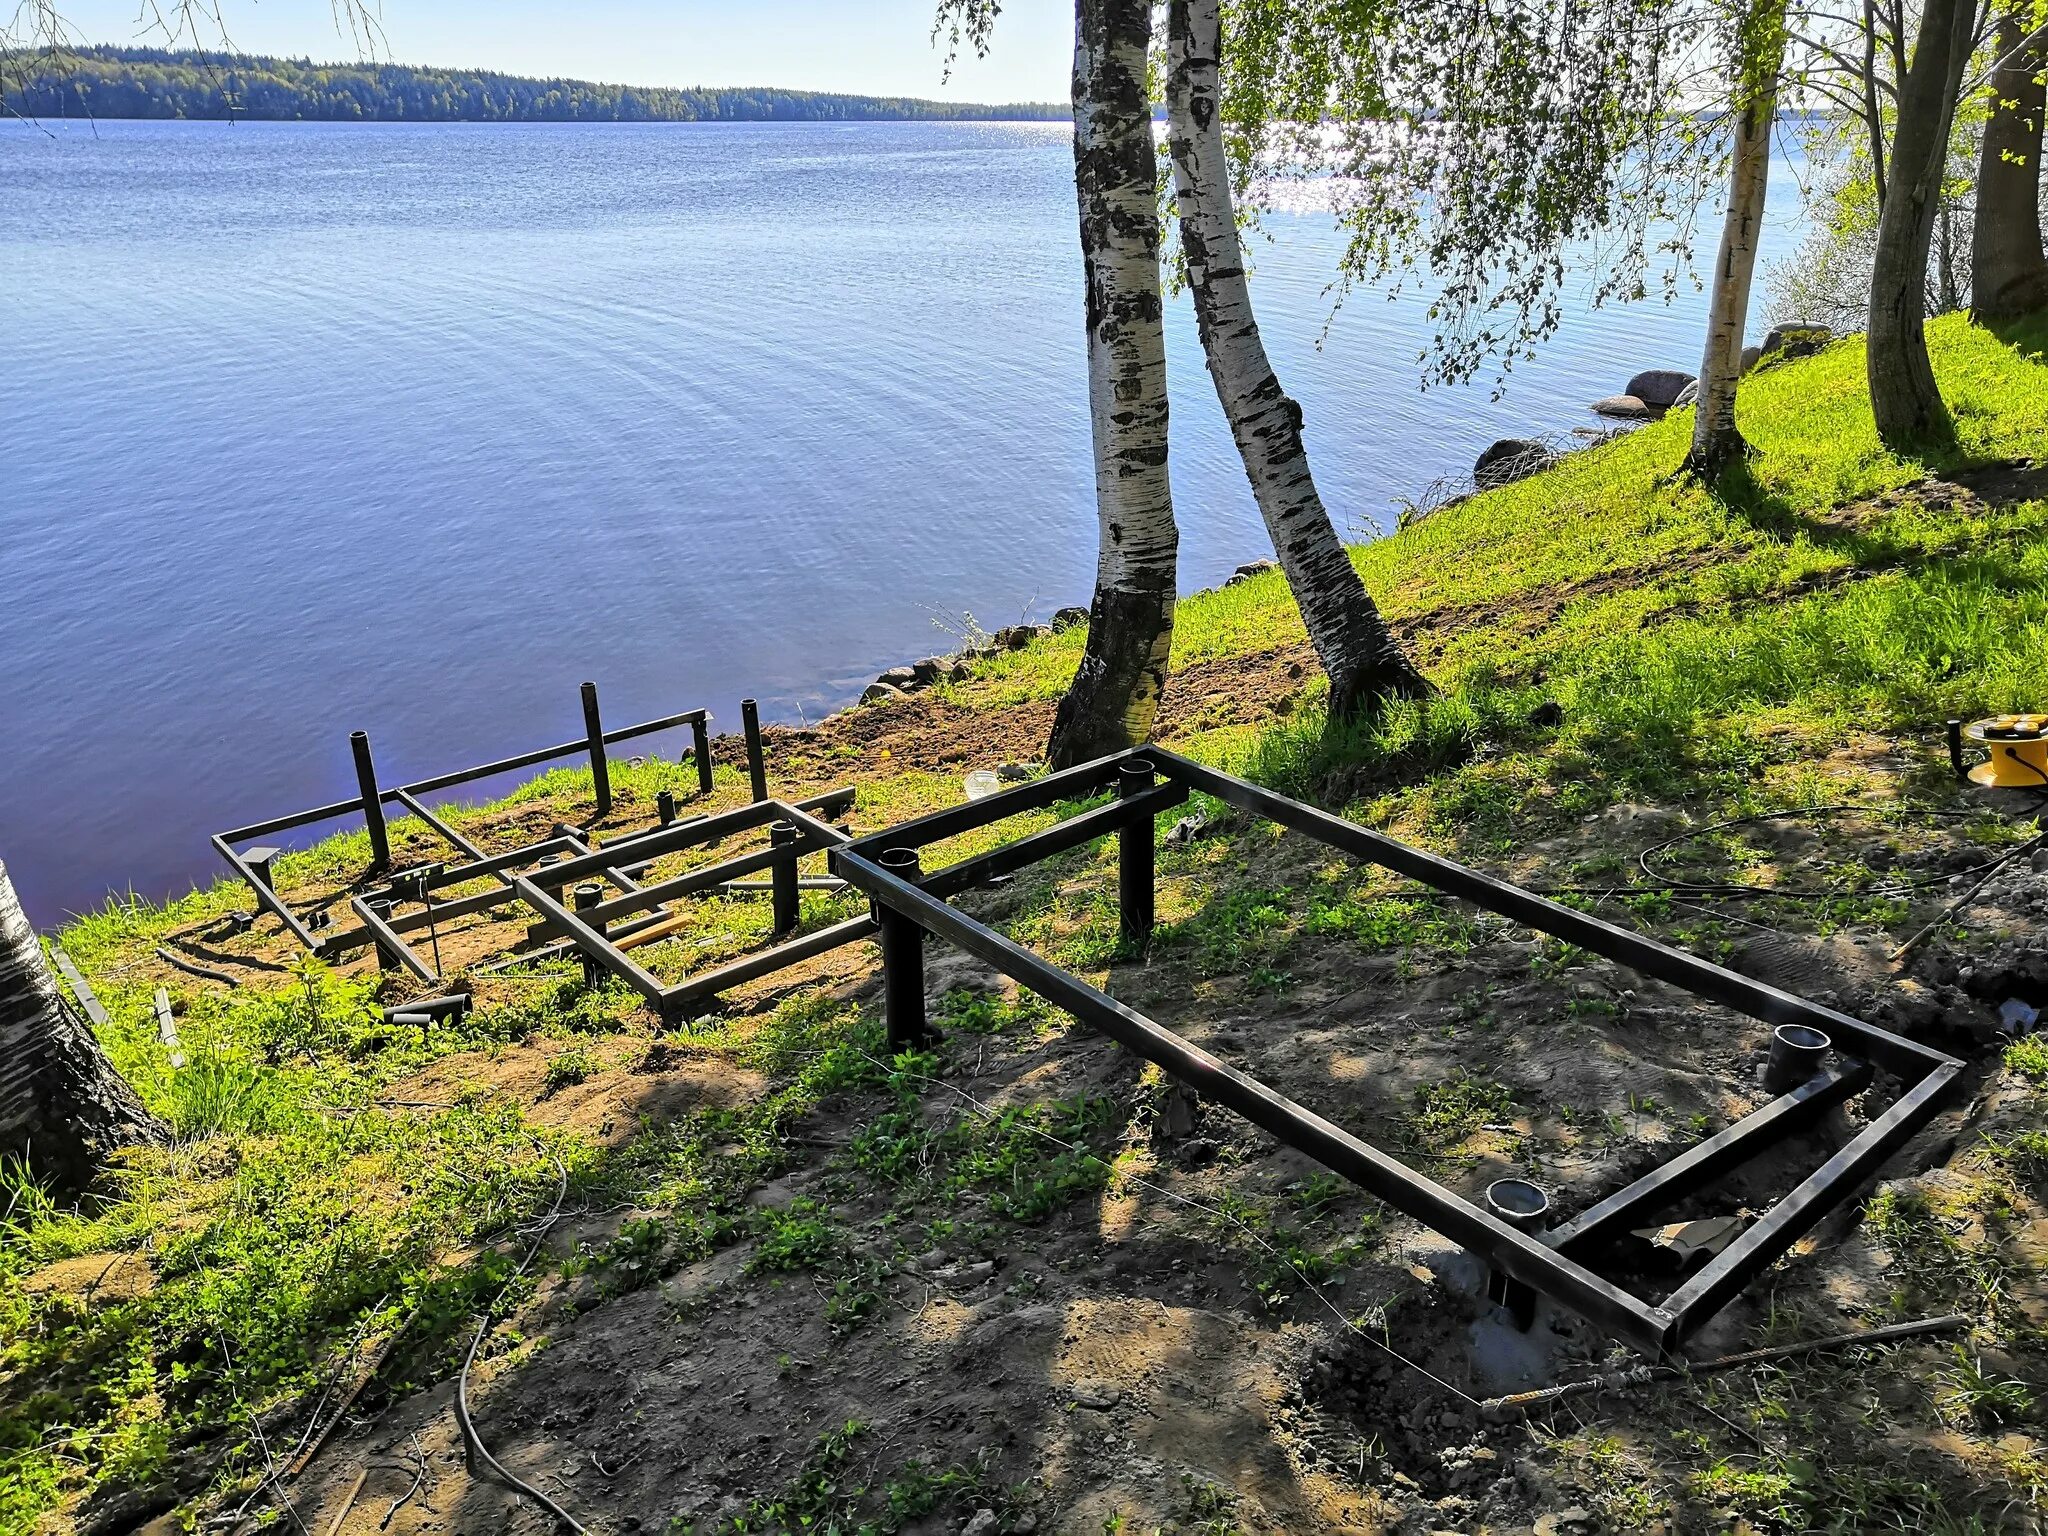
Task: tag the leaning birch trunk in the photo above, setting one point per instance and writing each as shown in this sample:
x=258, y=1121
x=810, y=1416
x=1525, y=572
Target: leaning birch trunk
x=1364, y=663
x=2008, y=273
x=1716, y=440
x=1115, y=695
x=63, y=1107
x=1904, y=396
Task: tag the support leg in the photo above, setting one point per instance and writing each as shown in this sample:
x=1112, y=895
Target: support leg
x=902, y=962
x=784, y=891
x=373, y=800
x=600, y=770
x=1134, y=861
x=757, y=764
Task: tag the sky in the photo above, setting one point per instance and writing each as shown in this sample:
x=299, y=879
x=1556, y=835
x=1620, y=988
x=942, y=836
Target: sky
x=872, y=47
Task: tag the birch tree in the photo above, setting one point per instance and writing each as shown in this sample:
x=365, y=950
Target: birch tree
x=1364, y=663
x=63, y=1107
x=1115, y=694
x=1759, y=56
x=2008, y=271
x=1904, y=396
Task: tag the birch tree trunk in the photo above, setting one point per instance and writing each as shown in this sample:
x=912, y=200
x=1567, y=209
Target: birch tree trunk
x=1364, y=663
x=1115, y=695
x=1903, y=394
x=2008, y=272
x=63, y=1107
x=1716, y=441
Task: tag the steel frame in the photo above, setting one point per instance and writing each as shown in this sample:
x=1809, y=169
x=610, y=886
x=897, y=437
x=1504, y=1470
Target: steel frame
x=535, y=875
x=909, y=903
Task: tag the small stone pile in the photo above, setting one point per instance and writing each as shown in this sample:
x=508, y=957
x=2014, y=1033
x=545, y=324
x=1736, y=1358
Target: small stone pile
x=1648, y=396
x=901, y=682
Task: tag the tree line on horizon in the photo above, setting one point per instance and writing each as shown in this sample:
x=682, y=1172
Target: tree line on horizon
x=162, y=83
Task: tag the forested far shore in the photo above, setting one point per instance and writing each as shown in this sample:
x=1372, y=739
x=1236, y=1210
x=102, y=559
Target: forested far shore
x=111, y=82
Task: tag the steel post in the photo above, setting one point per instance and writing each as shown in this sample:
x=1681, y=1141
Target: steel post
x=373, y=802
x=700, y=745
x=586, y=897
x=784, y=892
x=757, y=765
x=600, y=770
x=1134, y=860
x=902, y=960
x=665, y=807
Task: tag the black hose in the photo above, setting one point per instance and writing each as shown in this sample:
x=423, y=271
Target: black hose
x=172, y=958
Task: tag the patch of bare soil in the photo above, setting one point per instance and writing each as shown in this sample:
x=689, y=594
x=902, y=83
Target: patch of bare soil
x=1987, y=488
x=1137, y=1360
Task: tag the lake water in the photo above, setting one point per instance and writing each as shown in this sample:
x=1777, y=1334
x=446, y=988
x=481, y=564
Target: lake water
x=411, y=428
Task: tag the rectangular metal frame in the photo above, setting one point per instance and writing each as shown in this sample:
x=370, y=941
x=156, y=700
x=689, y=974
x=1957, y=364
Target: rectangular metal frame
x=586, y=929
x=1547, y=1262
x=522, y=877
x=371, y=807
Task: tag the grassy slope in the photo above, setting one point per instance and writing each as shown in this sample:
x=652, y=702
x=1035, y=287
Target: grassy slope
x=1709, y=651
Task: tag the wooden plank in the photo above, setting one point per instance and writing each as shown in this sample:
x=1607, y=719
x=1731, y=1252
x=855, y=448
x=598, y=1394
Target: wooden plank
x=167, y=1028
x=80, y=988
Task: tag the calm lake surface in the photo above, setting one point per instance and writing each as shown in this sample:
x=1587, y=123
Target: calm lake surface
x=411, y=428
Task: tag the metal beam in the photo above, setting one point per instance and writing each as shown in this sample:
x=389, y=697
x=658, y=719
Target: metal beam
x=1786, y=1222
x=1058, y=838
x=769, y=961
x=1719, y=1154
x=1634, y=950
x=386, y=936
x=1077, y=783
x=589, y=940
x=1652, y=1328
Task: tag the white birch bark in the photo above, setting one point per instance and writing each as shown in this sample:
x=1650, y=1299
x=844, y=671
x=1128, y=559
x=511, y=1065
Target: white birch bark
x=1362, y=659
x=1115, y=694
x=63, y=1107
x=1716, y=441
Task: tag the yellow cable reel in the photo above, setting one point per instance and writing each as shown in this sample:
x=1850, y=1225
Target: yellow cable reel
x=2018, y=748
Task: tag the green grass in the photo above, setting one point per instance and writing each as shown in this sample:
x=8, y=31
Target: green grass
x=1598, y=632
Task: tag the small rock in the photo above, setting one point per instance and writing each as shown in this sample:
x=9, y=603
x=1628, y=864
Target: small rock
x=1687, y=396
x=1012, y=773
x=881, y=693
x=1546, y=715
x=1017, y=636
x=1093, y=1392
x=959, y=672
x=1509, y=460
x=1658, y=388
x=1622, y=408
x=931, y=669
x=1067, y=618
x=983, y=1524
x=1751, y=356
x=1184, y=831
x=1252, y=568
x=897, y=677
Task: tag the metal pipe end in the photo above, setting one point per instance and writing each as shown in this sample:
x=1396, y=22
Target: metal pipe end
x=901, y=860
x=1519, y=1203
x=1798, y=1052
